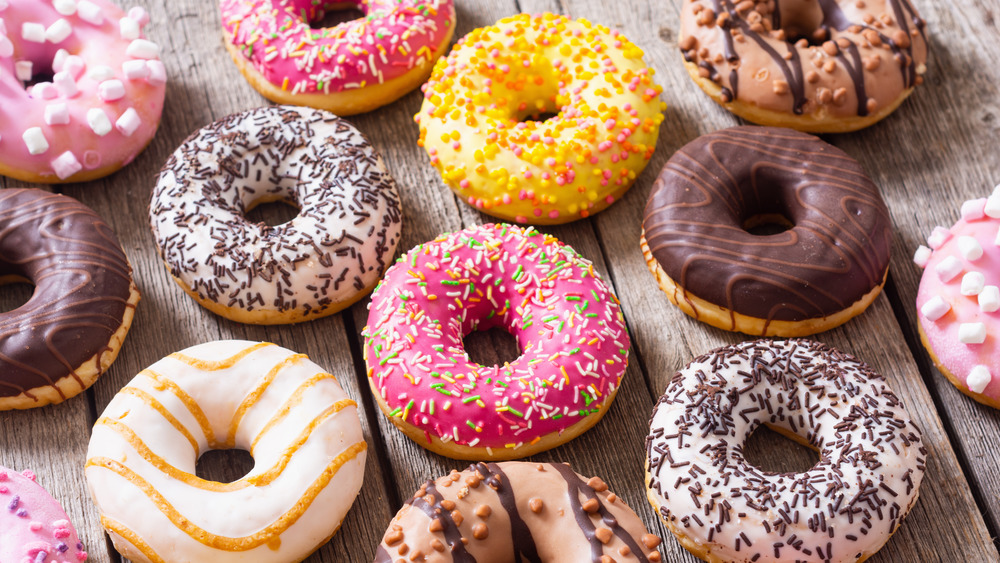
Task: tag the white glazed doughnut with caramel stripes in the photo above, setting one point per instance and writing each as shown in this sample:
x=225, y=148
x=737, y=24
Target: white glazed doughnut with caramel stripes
x=301, y=428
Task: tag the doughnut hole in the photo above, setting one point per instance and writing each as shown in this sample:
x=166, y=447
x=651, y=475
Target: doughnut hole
x=491, y=347
x=802, y=19
x=764, y=224
x=15, y=292
x=773, y=452
x=224, y=466
x=333, y=14
x=272, y=213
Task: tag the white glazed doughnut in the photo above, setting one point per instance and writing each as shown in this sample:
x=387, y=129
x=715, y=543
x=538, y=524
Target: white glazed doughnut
x=299, y=425
x=329, y=256
x=721, y=508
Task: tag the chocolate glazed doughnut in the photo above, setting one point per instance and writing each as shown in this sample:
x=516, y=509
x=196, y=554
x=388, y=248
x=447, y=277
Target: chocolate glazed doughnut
x=70, y=330
x=827, y=267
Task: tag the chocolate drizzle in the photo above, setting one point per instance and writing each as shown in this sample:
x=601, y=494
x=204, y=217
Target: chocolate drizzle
x=82, y=284
x=520, y=533
x=836, y=252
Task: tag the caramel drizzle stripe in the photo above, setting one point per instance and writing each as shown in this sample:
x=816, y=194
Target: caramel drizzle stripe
x=156, y=405
x=292, y=401
x=260, y=480
x=251, y=399
x=244, y=543
x=131, y=537
x=188, y=401
x=209, y=365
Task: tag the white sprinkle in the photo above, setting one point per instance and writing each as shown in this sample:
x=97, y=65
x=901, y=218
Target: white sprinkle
x=6, y=47
x=23, y=70
x=139, y=14
x=939, y=236
x=128, y=122
x=972, y=210
x=65, y=7
x=135, y=69
x=98, y=121
x=948, y=268
x=65, y=83
x=978, y=379
x=58, y=31
x=90, y=12
x=992, y=208
x=32, y=31
x=100, y=73
x=935, y=308
x=921, y=256
x=66, y=165
x=35, y=140
x=143, y=49
x=111, y=90
x=129, y=28
x=989, y=299
x=157, y=73
x=970, y=248
x=57, y=113
x=972, y=333
x=973, y=283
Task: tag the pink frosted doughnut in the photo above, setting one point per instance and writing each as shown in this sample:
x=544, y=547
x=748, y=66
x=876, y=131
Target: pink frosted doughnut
x=567, y=323
x=33, y=527
x=103, y=102
x=958, y=299
x=350, y=68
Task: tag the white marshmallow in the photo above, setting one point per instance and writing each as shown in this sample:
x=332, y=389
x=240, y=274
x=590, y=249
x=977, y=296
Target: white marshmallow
x=35, y=140
x=135, y=69
x=74, y=65
x=143, y=49
x=23, y=70
x=128, y=122
x=58, y=31
x=935, y=308
x=139, y=14
x=973, y=210
x=989, y=299
x=32, y=31
x=996, y=240
x=129, y=28
x=98, y=121
x=65, y=83
x=111, y=90
x=972, y=333
x=65, y=7
x=938, y=236
x=157, y=73
x=59, y=60
x=978, y=379
x=992, y=208
x=921, y=256
x=44, y=91
x=973, y=283
x=57, y=113
x=948, y=268
x=100, y=73
x=90, y=12
x=66, y=165
x=969, y=248
x=6, y=47
x=3, y=5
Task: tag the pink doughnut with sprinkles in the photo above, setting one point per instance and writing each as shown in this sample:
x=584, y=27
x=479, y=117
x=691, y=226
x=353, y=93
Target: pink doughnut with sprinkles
x=959, y=301
x=567, y=323
x=350, y=68
x=34, y=528
x=81, y=90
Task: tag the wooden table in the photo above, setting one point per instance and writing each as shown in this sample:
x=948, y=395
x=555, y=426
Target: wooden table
x=936, y=151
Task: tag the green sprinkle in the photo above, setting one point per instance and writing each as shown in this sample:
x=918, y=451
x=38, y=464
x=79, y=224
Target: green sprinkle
x=470, y=424
x=396, y=411
x=449, y=282
x=468, y=400
x=511, y=409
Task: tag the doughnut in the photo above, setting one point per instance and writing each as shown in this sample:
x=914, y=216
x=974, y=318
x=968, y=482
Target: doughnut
x=301, y=428
x=81, y=89
x=34, y=528
x=568, y=325
x=822, y=66
x=700, y=242
x=350, y=68
x=516, y=511
x=482, y=120
x=58, y=343
x=958, y=299
x=722, y=508
x=323, y=260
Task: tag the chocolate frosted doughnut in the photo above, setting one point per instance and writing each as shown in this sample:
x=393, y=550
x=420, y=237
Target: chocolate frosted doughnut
x=825, y=269
x=68, y=333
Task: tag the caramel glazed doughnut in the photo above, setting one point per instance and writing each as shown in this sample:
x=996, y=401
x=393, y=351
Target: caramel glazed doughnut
x=721, y=508
x=516, y=511
x=70, y=330
x=824, y=66
x=828, y=267
x=329, y=256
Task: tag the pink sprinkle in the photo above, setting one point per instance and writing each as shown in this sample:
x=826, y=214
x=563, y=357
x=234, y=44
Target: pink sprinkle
x=550, y=161
x=538, y=212
x=4, y=490
x=553, y=214
x=35, y=526
x=594, y=160
x=521, y=219
x=561, y=180
x=471, y=200
x=3, y=476
x=605, y=145
x=81, y=555
x=506, y=198
x=610, y=124
x=464, y=184
x=528, y=175
x=29, y=474
x=523, y=195
x=60, y=524
x=61, y=533
x=545, y=176
x=650, y=92
x=505, y=69
x=518, y=150
x=456, y=145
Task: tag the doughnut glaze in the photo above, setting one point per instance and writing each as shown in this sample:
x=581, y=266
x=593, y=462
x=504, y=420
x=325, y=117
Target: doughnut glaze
x=825, y=268
x=567, y=322
x=34, y=528
x=721, y=508
x=103, y=103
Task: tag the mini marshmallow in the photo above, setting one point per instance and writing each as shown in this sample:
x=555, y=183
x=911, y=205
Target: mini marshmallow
x=111, y=90
x=973, y=210
x=35, y=140
x=128, y=122
x=57, y=113
x=3, y=5
x=6, y=47
x=948, y=268
x=58, y=31
x=989, y=299
x=143, y=49
x=992, y=208
x=135, y=69
x=89, y=12
x=939, y=236
x=157, y=73
x=23, y=70
x=129, y=28
x=973, y=283
x=100, y=73
x=32, y=31
x=972, y=333
x=59, y=60
x=979, y=377
x=65, y=7
x=65, y=83
x=139, y=14
x=98, y=121
x=74, y=65
x=66, y=165
x=935, y=308
x=921, y=256
x=44, y=91
x=996, y=239
x=969, y=248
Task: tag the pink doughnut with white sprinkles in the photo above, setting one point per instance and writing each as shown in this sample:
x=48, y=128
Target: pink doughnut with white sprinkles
x=33, y=527
x=81, y=90
x=567, y=323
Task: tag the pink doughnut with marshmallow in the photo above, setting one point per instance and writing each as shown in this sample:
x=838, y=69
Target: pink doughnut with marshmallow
x=33, y=527
x=81, y=90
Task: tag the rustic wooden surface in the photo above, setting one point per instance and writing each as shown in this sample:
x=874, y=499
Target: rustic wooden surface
x=936, y=151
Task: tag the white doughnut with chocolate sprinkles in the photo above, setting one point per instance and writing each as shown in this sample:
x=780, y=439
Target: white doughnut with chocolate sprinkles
x=721, y=508
x=329, y=256
x=517, y=511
